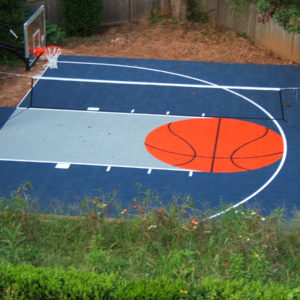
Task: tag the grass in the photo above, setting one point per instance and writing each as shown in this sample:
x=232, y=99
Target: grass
x=150, y=243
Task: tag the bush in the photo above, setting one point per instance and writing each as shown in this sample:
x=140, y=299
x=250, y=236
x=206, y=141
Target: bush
x=82, y=18
x=54, y=33
x=286, y=13
x=28, y=282
x=195, y=14
x=11, y=17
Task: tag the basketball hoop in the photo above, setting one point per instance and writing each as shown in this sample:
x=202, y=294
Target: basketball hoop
x=51, y=52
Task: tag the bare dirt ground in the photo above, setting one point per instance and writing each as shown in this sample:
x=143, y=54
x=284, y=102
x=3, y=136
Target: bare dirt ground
x=188, y=41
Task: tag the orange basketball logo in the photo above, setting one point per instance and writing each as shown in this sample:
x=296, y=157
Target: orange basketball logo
x=216, y=145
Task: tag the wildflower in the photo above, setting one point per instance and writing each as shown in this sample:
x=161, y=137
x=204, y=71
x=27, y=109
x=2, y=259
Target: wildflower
x=184, y=292
x=193, y=222
x=178, y=236
x=142, y=211
x=134, y=206
x=152, y=227
x=92, y=217
x=263, y=219
x=9, y=225
x=124, y=211
x=226, y=265
x=159, y=211
x=212, y=297
x=102, y=205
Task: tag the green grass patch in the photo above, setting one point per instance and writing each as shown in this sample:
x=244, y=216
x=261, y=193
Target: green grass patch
x=147, y=252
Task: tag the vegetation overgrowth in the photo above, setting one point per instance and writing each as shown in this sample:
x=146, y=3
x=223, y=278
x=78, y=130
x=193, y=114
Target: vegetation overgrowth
x=82, y=18
x=286, y=13
x=147, y=252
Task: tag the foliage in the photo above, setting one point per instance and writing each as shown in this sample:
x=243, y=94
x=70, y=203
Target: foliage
x=28, y=282
x=55, y=34
x=237, y=5
x=11, y=17
x=286, y=13
x=82, y=18
x=195, y=14
x=145, y=250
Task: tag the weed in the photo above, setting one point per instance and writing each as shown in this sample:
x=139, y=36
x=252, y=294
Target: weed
x=149, y=240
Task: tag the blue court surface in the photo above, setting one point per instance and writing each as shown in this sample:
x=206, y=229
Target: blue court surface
x=114, y=126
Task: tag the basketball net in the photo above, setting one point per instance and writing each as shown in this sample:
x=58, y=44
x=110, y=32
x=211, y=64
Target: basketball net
x=51, y=52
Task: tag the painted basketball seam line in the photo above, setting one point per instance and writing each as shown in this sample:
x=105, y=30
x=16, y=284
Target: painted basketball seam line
x=210, y=157
x=186, y=142
x=283, y=159
x=215, y=148
x=244, y=145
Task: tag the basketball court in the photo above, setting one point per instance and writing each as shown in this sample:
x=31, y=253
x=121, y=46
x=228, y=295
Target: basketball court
x=209, y=133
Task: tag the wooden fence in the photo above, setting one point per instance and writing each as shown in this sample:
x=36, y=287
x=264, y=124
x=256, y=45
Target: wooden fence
x=269, y=34
x=115, y=11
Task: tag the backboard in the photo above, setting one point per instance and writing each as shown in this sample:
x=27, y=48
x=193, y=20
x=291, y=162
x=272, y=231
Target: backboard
x=34, y=35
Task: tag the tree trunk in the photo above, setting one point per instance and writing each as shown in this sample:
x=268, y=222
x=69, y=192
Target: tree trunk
x=179, y=10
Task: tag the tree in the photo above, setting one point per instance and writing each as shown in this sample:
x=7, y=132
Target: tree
x=11, y=30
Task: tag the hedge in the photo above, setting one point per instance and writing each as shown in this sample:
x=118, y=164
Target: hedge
x=29, y=282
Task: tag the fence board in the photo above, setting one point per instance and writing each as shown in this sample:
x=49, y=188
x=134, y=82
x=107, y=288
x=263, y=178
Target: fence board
x=115, y=12
x=52, y=7
x=270, y=35
x=140, y=10
x=120, y=11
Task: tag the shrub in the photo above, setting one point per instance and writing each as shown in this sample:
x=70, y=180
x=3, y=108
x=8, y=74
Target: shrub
x=11, y=17
x=82, y=18
x=28, y=282
x=195, y=14
x=286, y=13
x=54, y=33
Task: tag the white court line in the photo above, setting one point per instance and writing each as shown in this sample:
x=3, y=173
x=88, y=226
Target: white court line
x=274, y=175
x=112, y=113
x=161, y=84
x=284, y=155
x=62, y=165
x=108, y=166
x=34, y=84
x=93, y=108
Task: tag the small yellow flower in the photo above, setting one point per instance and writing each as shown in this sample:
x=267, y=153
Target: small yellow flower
x=152, y=227
x=124, y=211
x=263, y=219
x=184, y=292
